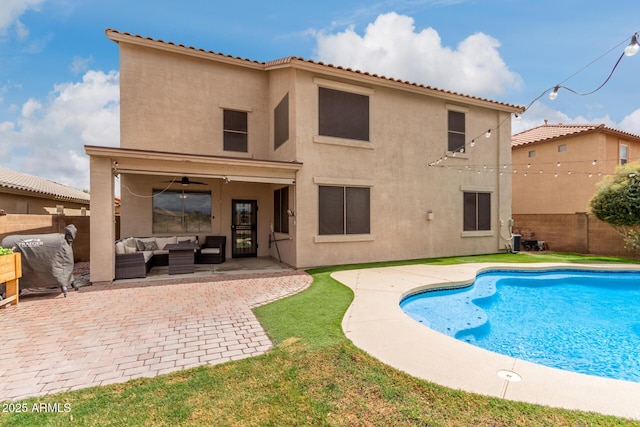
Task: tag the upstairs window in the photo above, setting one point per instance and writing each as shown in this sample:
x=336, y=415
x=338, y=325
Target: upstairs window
x=624, y=154
x=343, y=114
x=281, y=122
x=456, y=131
x=477, y=211
x=235, y=131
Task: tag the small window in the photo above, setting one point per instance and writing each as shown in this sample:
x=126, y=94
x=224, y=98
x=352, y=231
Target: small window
x=624, y=154
x=343, y=114
x=281, y=122
x=344, y=210
x=280, y=207
x=456, y=131
x=477, y=211
x=235, y=130
x=532, y=153
x=562, y=148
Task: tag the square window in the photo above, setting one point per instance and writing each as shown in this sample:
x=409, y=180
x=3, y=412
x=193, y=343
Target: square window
x=344, y=210
x=562, y=148
x=343, y=114
x=532, y=153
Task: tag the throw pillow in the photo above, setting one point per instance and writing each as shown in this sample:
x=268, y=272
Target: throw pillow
x=130, y=250
x=140, y=245
x=150, y=246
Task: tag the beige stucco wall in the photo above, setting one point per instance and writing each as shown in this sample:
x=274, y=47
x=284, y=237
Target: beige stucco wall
x=173, y=103
x=26, y=204
x=577, y=176
x=407, y=131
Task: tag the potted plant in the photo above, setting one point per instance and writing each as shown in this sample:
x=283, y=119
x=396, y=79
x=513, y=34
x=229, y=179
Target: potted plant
x=10, y=272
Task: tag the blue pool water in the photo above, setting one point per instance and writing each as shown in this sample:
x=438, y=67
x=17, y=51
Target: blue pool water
x=576, y=320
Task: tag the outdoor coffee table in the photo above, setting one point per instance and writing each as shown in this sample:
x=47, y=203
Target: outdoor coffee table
x=181, y=257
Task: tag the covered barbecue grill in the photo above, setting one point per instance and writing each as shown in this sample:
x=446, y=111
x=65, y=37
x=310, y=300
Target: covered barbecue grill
x=47, y=259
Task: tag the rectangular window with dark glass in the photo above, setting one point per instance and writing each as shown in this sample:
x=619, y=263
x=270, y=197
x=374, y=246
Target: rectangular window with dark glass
x=235, y=130
x=477, y=211
x=281, y=122
x=181, y=211
x=344, y=210
x=280, y=207
x=456, y=131
x=343, y=114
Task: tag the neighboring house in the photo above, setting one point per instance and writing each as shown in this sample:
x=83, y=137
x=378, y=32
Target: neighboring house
x=336, y=160
x=21, y=193
x=556, y=168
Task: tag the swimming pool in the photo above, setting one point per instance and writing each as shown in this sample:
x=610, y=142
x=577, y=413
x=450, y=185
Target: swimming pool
x=576, y=320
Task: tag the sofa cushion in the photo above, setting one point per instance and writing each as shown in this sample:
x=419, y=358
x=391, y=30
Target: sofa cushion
x=163, y=241
x=210, y=251
x=130, y=242
x=160, y=251
x=120, y=248
x=147, y=255
x=130, y=250
x=150, y=246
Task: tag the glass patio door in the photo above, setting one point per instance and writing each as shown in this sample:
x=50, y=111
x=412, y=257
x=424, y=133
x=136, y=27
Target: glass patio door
x=244, y=221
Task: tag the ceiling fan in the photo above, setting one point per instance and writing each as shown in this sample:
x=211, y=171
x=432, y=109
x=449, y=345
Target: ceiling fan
x=186, y=181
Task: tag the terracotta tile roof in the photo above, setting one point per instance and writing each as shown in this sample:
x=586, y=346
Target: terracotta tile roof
x=548, y=132
x=11, y=179
x=293, y=59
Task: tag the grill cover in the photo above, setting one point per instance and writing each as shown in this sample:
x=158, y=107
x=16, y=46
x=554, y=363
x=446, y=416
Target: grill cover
x=47, y=259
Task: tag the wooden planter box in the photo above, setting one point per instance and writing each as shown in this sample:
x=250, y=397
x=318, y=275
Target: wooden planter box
x=10, y=272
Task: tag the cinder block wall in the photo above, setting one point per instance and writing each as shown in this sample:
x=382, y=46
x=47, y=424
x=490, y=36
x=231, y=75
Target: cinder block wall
x=45, y=224
x=577, y=233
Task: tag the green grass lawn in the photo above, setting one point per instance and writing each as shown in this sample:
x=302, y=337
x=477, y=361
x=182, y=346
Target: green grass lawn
x=312, y=376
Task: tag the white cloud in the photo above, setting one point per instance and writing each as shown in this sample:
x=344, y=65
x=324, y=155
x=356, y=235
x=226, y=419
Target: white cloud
x=11, y=10
x=631, y=123
x=30, y=107
x=392, y=47
x=50, y=144
x=80, y=65
x=539, y=112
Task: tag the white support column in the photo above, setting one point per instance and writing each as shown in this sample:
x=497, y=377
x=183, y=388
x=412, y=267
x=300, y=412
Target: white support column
x=103, y=229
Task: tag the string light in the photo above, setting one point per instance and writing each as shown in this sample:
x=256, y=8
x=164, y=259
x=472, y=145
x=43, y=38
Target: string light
x=631, y=49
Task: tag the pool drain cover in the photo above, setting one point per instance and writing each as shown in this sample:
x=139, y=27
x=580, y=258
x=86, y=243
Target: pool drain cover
x=509, y=376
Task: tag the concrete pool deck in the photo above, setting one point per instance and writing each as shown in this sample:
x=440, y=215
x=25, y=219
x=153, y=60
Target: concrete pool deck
x=375, y=323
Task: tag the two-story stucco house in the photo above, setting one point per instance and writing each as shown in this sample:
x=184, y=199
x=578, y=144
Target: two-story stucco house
x=557, y=166
x=334, y=161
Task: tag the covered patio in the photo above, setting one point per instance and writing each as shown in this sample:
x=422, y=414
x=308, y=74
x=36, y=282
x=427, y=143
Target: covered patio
x=224, y=183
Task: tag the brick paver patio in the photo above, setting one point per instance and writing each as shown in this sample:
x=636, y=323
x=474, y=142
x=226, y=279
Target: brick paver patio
x=107, y=334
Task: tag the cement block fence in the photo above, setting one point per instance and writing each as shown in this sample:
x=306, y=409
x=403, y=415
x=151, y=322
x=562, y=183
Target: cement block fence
x=575, y=233
x=580, y=233
x=45, y=224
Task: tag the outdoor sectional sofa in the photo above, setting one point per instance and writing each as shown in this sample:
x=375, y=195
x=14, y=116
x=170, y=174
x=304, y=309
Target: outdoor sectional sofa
x=135, y=256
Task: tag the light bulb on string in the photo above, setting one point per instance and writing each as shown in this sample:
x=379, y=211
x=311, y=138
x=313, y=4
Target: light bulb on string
x=633, y=47
x=472, y=143
x=488, y=134
x=553, y=95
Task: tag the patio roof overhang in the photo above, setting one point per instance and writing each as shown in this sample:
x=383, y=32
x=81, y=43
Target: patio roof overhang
x=146, y=162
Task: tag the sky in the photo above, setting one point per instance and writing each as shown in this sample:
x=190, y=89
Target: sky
x=59, y=74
